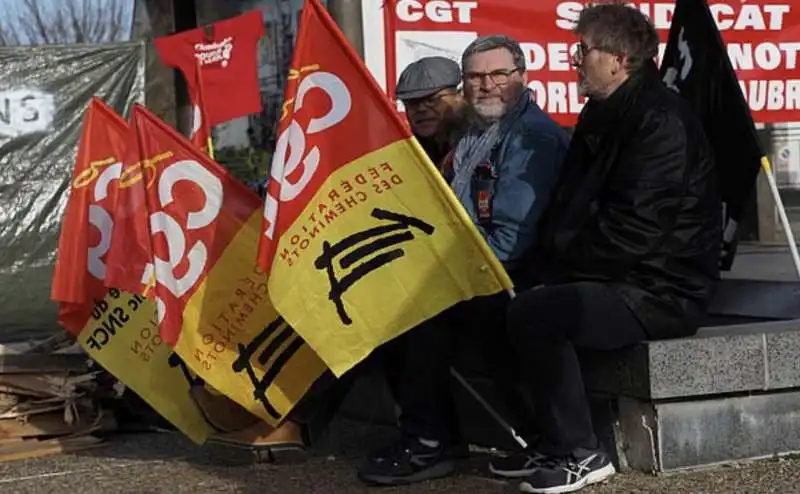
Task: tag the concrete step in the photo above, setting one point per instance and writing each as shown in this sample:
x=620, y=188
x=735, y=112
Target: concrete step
x=655, y=436
x=719, y=360
x=730, y=393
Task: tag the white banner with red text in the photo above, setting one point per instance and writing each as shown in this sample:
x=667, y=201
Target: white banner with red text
x=762, y=37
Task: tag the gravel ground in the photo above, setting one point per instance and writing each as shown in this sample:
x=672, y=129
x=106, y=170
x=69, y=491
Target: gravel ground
x=168, y=463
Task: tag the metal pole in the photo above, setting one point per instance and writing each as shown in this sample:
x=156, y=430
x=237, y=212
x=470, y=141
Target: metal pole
x=486, y=406
x=347, y=14
x=787, y=227
x=766, y=223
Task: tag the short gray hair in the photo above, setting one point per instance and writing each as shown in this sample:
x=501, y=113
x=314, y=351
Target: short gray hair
x=617, y=28
x=492, y=42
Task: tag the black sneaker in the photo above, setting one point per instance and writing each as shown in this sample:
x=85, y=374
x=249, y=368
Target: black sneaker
x=406, y=462
x=521, y=464
x=569, y=474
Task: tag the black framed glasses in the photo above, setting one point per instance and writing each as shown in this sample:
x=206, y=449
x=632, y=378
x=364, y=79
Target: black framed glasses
x=428, y=101
x=581, y=51
x=497, y=77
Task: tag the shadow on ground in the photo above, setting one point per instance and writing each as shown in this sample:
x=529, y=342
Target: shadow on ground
x=155, y=463
x=169, y=463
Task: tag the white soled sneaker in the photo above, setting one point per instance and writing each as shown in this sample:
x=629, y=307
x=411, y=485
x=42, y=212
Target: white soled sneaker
x=569, y=474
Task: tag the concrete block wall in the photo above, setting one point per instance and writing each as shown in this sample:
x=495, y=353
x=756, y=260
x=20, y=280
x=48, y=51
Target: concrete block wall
x=730, y=393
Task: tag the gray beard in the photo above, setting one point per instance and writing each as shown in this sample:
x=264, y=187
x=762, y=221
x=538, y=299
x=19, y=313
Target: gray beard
x=492, y=113
x=478, y=120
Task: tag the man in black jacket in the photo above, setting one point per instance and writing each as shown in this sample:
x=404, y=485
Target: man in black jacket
x=627, y=249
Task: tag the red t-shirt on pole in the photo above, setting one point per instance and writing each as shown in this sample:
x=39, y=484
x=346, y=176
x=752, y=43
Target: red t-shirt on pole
x=229, y=61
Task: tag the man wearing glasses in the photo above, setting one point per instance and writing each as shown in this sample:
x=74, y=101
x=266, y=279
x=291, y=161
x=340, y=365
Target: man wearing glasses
x=502, y=171
x=428, y=89
x=628, y=247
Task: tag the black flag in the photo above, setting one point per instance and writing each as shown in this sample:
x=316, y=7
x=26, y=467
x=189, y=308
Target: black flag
x=696, y=65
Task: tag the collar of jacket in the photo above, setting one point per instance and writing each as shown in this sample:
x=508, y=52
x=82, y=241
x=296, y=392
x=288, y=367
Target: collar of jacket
x=604, y=116
x=433, y=147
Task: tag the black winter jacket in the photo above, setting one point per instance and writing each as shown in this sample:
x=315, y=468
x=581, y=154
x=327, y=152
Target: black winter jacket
x=637, y=206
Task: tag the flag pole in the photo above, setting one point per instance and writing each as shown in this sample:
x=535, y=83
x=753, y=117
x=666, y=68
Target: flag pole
x=210, y=146
x=201, y=103
x=486, y=406
x=787, y=227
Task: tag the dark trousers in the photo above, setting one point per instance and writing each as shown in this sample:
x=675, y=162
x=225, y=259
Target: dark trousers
x=417, y=369
x=546, y=325
x=320, y=404
x=424, y=387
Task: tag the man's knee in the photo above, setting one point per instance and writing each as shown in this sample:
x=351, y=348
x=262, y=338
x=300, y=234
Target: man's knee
x=434, y=333
x=529, y=316
x=545, y=312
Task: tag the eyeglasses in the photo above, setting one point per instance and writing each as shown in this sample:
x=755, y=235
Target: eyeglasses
x=428, y=101
x=580, y=52
x=499, y=77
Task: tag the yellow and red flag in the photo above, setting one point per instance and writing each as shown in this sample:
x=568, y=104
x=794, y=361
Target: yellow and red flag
x=199, y=227
x=362, y=238
x=117, y=329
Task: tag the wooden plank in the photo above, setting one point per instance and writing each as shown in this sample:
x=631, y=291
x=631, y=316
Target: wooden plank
x=39, y=364
x=52, y=424
x=22, y=450
x=32, y=407
x=22, y=392
x=41, y=385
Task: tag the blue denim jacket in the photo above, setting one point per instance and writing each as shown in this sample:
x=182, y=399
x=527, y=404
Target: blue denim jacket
x=526, y=163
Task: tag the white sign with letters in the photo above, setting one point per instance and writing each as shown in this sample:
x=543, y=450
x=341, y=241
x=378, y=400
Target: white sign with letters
x=25, y=111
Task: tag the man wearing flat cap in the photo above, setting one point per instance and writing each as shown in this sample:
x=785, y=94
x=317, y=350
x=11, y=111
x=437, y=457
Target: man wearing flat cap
x=434, y=107
x=503, y=168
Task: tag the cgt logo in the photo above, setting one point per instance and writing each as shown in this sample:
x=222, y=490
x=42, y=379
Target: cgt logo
x=25, y=111
x=162, y=271
x=439, y=11
x=103, y=174
x=290, y=150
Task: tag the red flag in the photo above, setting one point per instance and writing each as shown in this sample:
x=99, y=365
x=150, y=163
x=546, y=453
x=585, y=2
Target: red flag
x=174, y=211
x=191, y=228
x=316, y=108
x=130, y=256
x=86, y=230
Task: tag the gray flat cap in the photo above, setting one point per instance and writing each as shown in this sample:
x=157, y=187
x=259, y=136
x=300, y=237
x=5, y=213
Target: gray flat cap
x=427, y=76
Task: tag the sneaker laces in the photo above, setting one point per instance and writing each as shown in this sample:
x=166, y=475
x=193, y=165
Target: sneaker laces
x=404, y=444
x=529, y=457
x=553, y=462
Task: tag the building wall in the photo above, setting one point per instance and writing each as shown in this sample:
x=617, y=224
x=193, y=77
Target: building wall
x=153, y=18
x=245, y=144
x=275, y=51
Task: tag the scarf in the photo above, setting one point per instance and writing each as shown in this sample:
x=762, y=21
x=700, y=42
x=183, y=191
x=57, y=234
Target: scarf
x=477, y=144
